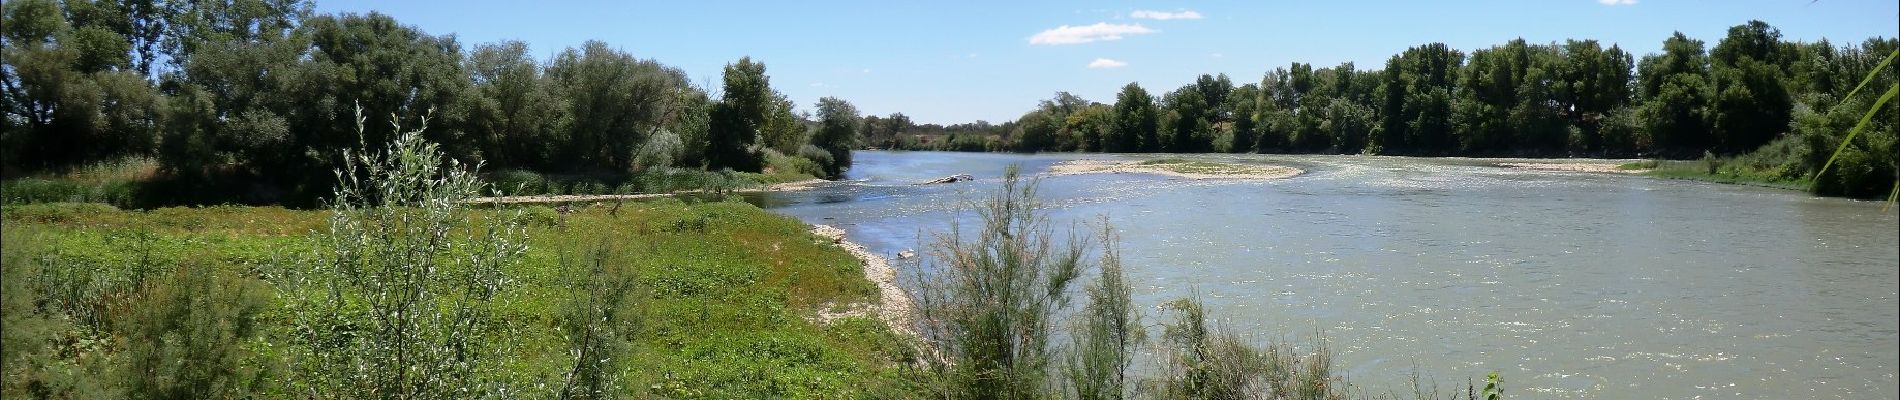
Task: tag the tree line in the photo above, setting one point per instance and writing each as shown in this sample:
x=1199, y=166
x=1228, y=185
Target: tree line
x=266, y=94
x=1753, y=92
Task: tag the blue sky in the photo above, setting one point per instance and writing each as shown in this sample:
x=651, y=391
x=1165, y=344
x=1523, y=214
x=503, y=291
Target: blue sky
x=952, y=62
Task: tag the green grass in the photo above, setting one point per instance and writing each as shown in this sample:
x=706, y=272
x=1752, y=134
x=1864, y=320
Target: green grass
x=113, y=182
x=1728, y=170
x=727, y=290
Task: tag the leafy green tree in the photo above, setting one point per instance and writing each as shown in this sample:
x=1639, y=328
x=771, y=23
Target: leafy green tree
x=1244, y=130
x=1677, y=87
x=1349, y=124
x=784, y=128
x=1037, y=131
x=837, y=133
x=1751, y=103
x=519, y=116
x=1136, y=121
x=1417, y=91
x=1091, y=125
x=67, y=91
x=615, y=101
x=738, y=116
x=1186, y=123
x=189, y=27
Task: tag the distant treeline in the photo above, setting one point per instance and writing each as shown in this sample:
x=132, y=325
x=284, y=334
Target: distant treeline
x=1752, y=91
x=262, y=96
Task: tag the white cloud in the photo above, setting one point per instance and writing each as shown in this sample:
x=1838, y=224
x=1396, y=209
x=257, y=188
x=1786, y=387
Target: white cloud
x=1101, y=63
x=1189, y=14
x=1101, y=31
x=1616, y=2
x=1217, y=55
x=866, y=70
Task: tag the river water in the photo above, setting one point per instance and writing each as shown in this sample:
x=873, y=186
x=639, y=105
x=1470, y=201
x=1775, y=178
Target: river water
x=1572, y=285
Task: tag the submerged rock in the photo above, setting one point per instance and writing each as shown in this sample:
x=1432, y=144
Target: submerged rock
x=950, y=179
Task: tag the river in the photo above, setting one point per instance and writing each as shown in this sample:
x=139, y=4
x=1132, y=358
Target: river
x=1572, y=285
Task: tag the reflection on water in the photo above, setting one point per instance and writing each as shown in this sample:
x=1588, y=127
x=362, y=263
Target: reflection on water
x=1572, y=285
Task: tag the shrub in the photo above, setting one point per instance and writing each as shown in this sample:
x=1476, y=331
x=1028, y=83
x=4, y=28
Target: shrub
x=663, y=149
x=777, y=163
x=186, y=335
x=42, y=353
x=1109, y=331
x=990, y=303
x=397, y=306
x=519, y=182
x=600, y=322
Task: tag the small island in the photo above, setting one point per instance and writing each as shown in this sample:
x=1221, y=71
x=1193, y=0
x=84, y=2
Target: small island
x=1178, y=168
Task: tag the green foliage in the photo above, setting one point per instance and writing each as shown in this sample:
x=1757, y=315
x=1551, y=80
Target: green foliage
x=1108, y=334
x=614, y=103
x=836, y=135
x=600, y=322
x=1493, y=386
x=1136, y=122
x=988, y=305
x=189, y=336
x=396, y=305
x=738, y=117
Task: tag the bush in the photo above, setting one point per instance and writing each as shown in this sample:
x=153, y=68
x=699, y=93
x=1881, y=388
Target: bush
x=186, y=336
x=42, y=353
x=519, y=182
x=663, y=149
x=989, y=306
x=1110, y=330
x=776, y=163
x=399, y=305
x=600, y=322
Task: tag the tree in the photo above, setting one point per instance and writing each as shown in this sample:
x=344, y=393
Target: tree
x=837, y=133
x=1187, y=127
x=738, y=117
x=1245, y=130
x=1751, y=103
x=615, y=101
x=1678, y=89
x=1091, y=125
x=784, y=128
x=67, y=90
x=520, y=117
x=1136, y=119
x=1417, y=91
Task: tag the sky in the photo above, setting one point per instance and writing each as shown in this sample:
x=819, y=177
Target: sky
x=960, y=61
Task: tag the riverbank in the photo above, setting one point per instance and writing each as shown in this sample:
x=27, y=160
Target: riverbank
x=793, y=186
x=721, y=307
x=1177, y=168
x=1716, y=172
x=895, y=307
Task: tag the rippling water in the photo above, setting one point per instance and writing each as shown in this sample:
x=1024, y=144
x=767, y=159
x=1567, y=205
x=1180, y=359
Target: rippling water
x=1572, y=285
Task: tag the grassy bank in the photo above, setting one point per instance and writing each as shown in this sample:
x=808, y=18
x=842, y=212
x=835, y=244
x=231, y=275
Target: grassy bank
x=1725, y=170
x=720, y=308
x=135, y=183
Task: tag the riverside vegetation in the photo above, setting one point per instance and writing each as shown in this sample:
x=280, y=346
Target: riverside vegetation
x=402, y=289
x=155, y=103
x=1769, y=109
